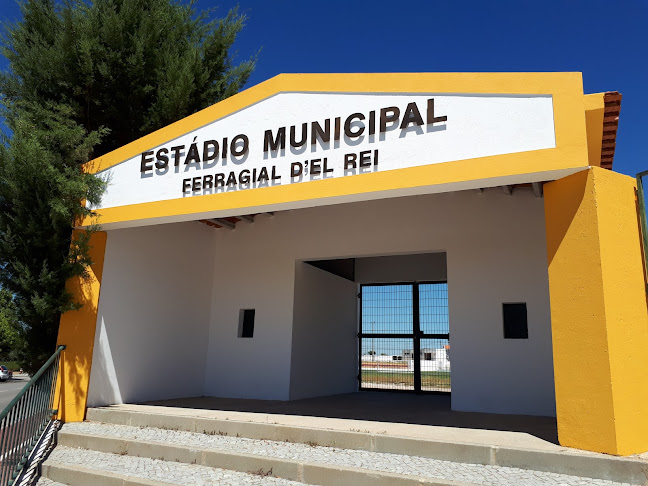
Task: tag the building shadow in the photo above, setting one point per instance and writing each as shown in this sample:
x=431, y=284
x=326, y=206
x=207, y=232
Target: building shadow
x=379, y=407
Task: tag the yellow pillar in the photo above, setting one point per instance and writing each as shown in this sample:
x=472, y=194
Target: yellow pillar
x=594, y=114
x=77, y=332
x=599, y=316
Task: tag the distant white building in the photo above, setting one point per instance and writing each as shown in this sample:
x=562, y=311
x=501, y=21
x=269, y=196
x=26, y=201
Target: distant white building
x=431, y=359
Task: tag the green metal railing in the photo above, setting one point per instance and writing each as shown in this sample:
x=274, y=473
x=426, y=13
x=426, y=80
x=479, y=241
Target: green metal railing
x=642, y=216
x=24, y=420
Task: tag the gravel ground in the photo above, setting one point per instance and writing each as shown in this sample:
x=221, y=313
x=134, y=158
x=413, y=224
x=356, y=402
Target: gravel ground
x=376, y=461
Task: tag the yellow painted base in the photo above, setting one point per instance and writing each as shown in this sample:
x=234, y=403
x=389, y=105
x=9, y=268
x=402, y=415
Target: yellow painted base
x=77, y=331
x=599, y=313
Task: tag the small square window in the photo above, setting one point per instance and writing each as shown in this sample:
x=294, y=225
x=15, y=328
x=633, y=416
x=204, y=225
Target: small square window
x=246, y=323
x=515, y=321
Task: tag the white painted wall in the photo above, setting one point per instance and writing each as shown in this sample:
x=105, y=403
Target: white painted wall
x=324, y=354
x=496, y=252
x=171, y=296
x=152, y=325
x=253, y=269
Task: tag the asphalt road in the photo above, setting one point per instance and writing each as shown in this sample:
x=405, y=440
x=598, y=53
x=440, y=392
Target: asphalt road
x=10, y=388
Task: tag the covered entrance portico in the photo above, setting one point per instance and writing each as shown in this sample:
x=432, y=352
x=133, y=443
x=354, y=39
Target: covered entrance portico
x=304, y=340
x=236, y=242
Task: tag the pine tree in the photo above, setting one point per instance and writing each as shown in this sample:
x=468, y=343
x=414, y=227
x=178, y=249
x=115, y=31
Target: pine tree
x=41, y=187
x=9, y=327
x=132, y=66
x=86, y=78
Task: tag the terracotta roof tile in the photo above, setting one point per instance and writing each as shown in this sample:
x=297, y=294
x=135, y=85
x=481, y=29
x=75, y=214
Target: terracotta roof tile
x=612, y=100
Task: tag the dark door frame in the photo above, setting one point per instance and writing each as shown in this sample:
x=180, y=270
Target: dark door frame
x=416, y=335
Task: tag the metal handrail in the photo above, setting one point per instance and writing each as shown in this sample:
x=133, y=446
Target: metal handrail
x=24, y=420
x=642, y=218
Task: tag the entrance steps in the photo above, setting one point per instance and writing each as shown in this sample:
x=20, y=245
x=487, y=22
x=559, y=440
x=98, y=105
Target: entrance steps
x=155, y=446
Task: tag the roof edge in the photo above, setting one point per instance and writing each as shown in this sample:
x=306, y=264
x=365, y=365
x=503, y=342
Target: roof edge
x=612, y=110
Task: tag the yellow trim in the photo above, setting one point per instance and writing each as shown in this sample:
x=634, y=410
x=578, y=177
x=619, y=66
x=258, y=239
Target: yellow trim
x=77, y=332
x=570, y=151
x=599, y=319
x=594, y=113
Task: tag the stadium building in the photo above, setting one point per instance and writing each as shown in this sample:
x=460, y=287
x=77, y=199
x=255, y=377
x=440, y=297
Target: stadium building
x=320, y=234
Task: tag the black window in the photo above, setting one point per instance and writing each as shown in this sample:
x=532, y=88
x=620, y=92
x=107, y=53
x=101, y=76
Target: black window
x=515, y=321
x=246, y=323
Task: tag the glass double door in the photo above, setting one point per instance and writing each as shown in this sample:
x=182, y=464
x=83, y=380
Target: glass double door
x=404, y=340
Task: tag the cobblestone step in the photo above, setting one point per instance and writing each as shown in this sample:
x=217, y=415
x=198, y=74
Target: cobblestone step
x=329, y=433
x=48, y=482
x=74, y=467
x=305, y=463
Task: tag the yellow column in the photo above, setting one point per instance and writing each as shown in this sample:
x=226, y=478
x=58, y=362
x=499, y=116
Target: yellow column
x=77, y=332
x=594, y=114
x=599, y=316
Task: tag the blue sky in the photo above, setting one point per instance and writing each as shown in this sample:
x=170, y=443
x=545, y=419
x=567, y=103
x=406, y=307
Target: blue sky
x=606, y=41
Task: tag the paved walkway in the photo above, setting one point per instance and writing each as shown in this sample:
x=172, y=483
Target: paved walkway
x=10, y=388
x=374, y=461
